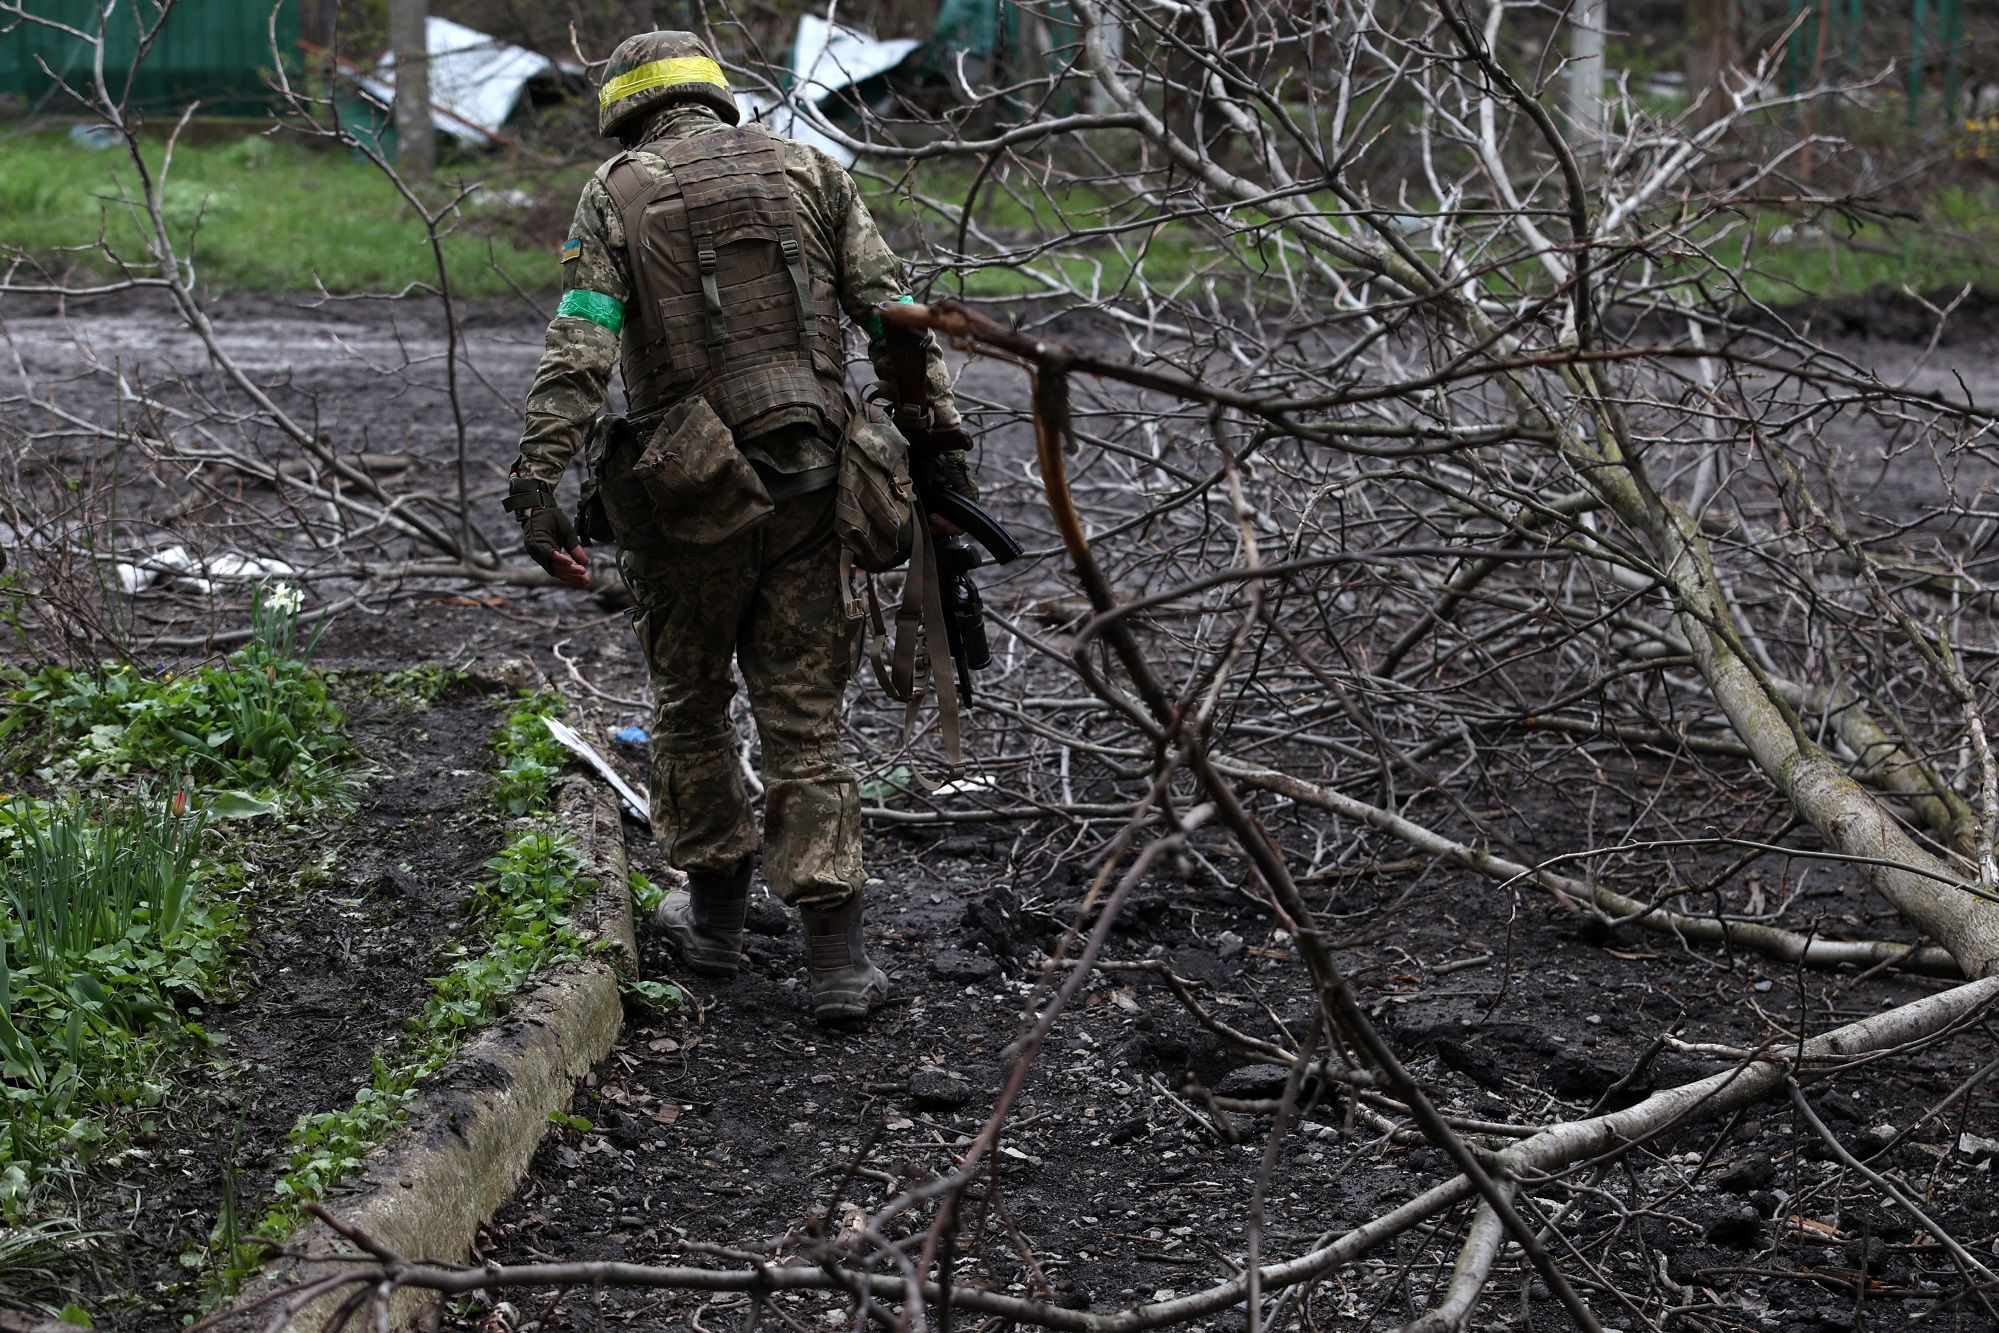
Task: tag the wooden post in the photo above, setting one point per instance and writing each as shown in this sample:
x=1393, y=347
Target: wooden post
x=416, y=140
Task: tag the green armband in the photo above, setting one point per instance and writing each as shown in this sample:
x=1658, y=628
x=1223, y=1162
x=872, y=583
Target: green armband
x=596, y=307
x=872, y=322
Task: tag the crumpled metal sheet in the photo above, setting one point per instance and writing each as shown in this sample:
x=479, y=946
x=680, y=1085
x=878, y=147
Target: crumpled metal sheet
x=826, y=59
x=475, y=79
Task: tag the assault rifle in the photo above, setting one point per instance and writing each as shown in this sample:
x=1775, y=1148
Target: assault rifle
x=956, y=555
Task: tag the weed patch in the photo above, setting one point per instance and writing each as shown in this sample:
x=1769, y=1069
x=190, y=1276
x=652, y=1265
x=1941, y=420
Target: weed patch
x=117, y=922
x=106, y=953
x=530, y=758
x=261, y=720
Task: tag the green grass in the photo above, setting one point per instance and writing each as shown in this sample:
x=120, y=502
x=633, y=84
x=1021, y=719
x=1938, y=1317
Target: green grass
x=1011, y=211
x=275, y=216
x=1953, y=241
x=257, y=215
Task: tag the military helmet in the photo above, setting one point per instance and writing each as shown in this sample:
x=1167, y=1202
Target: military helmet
x=655, y=68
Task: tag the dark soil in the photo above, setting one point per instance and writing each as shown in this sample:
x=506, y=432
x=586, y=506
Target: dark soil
x=341, y=948
x=736, y=1126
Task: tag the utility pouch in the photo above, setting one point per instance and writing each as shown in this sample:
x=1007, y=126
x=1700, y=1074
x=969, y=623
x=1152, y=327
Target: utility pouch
x=701, y=489
x=628, y=509
x=593, y=524
x=874, y=511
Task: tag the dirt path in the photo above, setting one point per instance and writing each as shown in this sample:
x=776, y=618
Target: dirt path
x=735, y=1127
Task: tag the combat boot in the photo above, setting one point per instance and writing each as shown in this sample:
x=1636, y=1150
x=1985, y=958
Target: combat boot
x=705, y=919
x=845, y=985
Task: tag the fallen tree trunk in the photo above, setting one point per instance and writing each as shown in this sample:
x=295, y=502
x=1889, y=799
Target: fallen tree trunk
x=1931, y=894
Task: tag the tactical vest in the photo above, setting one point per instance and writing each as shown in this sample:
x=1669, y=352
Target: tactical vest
x=723, y=301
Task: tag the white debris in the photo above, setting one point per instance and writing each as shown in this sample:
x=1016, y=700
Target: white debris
x=826, y=58
x=634, y=801
x=475, y=80
x=966, y=787
x=176, y=564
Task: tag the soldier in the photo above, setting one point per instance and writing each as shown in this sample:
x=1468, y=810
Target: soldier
x=712, y=260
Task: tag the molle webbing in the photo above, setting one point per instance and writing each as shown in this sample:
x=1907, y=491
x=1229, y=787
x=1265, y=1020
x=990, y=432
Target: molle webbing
x=723, y=301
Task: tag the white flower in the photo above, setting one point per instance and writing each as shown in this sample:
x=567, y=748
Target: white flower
x=285, y=598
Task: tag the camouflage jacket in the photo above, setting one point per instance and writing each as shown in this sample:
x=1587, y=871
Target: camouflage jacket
x=582, y=343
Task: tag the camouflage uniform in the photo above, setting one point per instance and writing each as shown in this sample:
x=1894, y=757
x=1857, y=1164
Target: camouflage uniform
x=769, y=599
x=840, y=240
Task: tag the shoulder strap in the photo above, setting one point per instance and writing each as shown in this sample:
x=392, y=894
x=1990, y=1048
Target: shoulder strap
x=632, y=188
x=629, y=187
x=919, y=633
x=622, y=180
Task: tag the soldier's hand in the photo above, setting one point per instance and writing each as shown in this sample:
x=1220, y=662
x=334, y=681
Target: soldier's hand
x=551, y=542
x=954, y=466
x=949, y=440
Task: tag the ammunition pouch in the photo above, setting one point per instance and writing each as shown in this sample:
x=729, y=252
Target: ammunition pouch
x=874, y=509
x=689, y=485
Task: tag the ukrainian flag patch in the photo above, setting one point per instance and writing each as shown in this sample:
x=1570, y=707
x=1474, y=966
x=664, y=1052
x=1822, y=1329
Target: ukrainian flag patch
x=572, y=249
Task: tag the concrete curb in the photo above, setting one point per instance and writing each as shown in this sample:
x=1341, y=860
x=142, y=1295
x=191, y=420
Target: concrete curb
x=463, y=1152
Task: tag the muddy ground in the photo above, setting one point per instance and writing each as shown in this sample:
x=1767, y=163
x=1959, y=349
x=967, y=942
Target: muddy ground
x=733, y=1124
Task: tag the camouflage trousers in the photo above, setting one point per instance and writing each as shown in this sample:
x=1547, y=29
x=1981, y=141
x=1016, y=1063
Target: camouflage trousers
x=771, y=601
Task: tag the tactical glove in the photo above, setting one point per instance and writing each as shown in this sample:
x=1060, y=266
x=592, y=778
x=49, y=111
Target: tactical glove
x=547, y=533
x=953, y=460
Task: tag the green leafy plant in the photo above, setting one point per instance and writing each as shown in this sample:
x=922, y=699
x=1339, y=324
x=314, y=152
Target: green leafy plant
x=77, y=885
x=646, y=895
x=425, y=683
x=655, y=997
x=530, y=758
x=260, y=720
x=106, y=947
x=115, y=923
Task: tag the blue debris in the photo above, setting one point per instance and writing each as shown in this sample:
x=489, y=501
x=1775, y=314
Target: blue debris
x=94, y=136
x=634, y=738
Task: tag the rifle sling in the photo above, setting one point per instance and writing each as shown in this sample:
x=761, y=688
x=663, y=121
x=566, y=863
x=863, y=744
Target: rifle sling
x=920, y=620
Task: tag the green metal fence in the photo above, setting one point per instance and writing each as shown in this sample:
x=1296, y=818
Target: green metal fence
x=1930, y=34
x=216, y=52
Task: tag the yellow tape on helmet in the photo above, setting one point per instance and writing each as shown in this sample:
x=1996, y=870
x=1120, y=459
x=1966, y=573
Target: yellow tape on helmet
x=662, y=74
